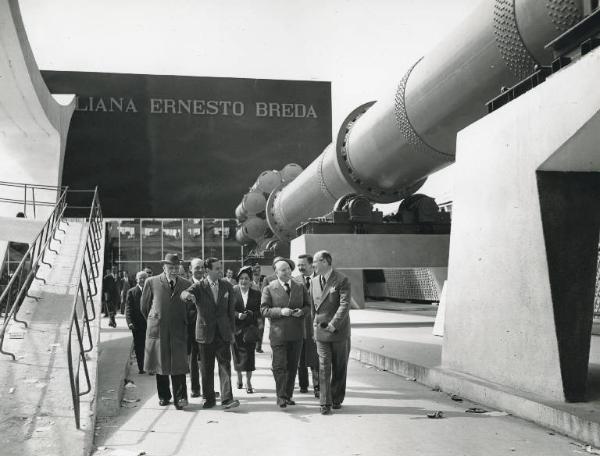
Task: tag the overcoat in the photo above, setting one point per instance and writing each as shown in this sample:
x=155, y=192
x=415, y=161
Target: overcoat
x=167, y=317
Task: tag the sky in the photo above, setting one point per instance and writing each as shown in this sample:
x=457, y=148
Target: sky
x=363, y=47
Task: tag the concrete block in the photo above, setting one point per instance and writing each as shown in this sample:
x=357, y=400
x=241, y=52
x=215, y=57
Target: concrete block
x=524, y=232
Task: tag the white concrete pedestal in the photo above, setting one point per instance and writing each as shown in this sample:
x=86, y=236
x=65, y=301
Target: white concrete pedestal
x=524, y=238
x=354, y=252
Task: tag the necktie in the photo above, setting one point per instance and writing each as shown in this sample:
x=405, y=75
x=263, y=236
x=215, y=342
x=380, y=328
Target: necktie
x=287, y=288
x=215, y=290
x=322, y=281
x=172, y=284
x=308, y=282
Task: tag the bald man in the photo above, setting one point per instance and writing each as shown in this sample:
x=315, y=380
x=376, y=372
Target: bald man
x=285, y=303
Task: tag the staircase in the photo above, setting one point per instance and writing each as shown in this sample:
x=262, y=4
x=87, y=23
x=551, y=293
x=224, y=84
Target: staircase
x=48, y=390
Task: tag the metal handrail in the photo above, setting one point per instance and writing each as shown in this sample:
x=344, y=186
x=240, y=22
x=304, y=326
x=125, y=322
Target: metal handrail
x=26, y=271
x=33, y=188
x=88, y=274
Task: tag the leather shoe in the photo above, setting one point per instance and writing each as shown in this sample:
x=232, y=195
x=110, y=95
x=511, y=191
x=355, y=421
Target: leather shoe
x=337, y=406
x=231, y=403
x=249, y=390
x=141, y=371
x=163, y=402
x=304, y=390
x=325, y=410
x=195, y=393
x=259, y=350
x=208, y=404
x=281, y=402
x=240, y=386
x=290, y=402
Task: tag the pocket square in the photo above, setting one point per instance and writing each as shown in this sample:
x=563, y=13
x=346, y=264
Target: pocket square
x=226, y=295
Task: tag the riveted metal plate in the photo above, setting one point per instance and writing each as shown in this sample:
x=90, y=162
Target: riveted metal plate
x=406, y=128
x=509, y=41
x=564, y=14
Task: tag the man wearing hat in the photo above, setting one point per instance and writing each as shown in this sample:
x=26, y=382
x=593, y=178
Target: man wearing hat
x=285, y=303
x=167, y=317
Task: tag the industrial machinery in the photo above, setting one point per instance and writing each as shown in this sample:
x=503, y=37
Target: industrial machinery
x=386, y=149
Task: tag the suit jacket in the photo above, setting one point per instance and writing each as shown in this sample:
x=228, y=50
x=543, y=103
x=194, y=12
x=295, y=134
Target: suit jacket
x=167, y=316
x=110, y=289
x=308, y=321
x=274, y=298
x=267, y=280
x=332, y=307
x=211, y=315
x=253, y=304
x=125, y=287
x=133, y=311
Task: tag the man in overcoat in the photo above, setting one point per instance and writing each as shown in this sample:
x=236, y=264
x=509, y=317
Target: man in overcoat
x=135, y=320
x=330, y=291
x=285, y=303
x=167, y=317
x=215, y=326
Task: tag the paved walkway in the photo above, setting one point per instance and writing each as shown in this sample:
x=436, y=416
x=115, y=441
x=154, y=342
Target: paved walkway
x=384, y=414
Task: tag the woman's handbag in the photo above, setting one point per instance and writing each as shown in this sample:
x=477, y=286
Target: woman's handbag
x=250, y=334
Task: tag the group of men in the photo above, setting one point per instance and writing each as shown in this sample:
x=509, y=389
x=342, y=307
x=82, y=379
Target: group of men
x=178, y=324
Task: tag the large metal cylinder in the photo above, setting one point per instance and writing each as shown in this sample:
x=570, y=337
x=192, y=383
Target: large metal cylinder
x=387, y=150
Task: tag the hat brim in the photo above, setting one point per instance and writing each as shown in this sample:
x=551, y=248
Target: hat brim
x=244, y=270
x=288, y=261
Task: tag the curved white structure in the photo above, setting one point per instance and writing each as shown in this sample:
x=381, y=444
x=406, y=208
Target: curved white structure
x=33, y=125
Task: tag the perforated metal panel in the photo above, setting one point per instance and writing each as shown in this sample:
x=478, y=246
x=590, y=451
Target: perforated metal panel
x=410, y=284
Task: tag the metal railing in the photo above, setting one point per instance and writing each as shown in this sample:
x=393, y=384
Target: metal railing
x=47, y=195
x=83, y=306
x=83, y=310
x=20, y=281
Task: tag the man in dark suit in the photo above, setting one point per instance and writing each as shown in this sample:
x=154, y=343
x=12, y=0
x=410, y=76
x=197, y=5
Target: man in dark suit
x=135, y=320
x=308, y=355
x=285, y=303
x=110, y=290
x=215, y=326
x=330, y=291
x=167, y=317
x=197, y=271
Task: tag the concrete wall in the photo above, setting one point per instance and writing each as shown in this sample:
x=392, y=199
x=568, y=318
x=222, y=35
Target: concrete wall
x=33, y=125
x=500, y=318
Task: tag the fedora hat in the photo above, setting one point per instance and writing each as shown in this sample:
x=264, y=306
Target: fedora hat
x=171, y=258
x=287, y=260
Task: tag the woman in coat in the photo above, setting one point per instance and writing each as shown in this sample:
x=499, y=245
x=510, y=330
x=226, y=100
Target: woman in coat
x=247, y=311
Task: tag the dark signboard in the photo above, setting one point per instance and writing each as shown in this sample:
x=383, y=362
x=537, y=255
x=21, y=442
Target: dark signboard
x=186, y=147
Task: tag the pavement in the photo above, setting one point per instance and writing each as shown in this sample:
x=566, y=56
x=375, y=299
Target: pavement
x=383, y=414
